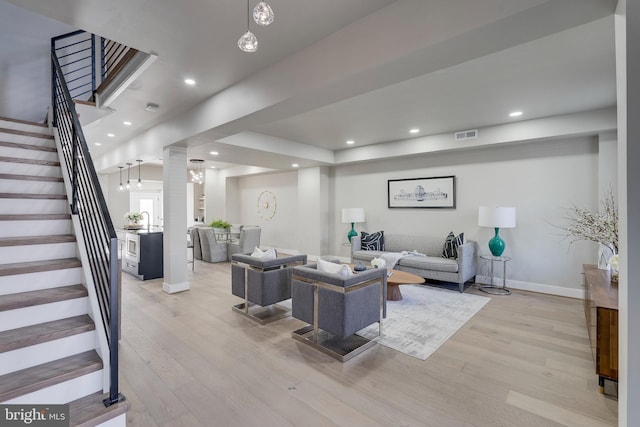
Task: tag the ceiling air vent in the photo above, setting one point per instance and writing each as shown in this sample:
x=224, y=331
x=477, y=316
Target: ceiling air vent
x=466, y=134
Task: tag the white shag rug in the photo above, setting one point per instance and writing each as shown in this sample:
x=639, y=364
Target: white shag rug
x=424, y=319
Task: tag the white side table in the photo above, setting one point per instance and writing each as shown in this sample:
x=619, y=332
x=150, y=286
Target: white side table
x=493, y=289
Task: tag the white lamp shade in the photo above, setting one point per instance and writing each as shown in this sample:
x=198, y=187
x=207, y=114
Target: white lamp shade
x=352, y=215
x=496, y=217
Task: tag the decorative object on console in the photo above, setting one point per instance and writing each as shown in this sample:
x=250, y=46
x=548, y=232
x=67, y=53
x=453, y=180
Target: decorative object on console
x=435, y=192
x=497, y=218
x=614, y=263
x=372, y=241
x=600, y=227
x=451, y=243
x=352, y=215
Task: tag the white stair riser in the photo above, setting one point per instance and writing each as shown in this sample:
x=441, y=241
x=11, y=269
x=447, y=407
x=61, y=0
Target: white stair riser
x=41, y=280
x=19, y=318
x=29, y=169
x=119, y=421
x=23, y=153
x=23, y=358
x=26, y=253
x=35, y=228
x=6, y=124
x=31, y=187
x=62, y=393
x=23, y=139
x=34, y=206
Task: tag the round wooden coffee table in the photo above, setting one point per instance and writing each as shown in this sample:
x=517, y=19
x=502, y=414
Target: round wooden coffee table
x=398, y=278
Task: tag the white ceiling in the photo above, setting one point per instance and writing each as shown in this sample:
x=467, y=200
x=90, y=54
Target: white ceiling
x=387, y=66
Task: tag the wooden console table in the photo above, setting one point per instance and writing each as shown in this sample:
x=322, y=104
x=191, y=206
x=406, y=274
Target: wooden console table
x=601, y=311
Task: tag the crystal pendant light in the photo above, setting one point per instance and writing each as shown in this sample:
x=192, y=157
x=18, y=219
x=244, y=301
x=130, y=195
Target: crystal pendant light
x=248, y=42
x=263, y=14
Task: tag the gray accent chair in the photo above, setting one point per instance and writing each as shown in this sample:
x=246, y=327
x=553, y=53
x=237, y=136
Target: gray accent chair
x=249, y=239
x=210, y=249
x=262, y=283
x=336, y=307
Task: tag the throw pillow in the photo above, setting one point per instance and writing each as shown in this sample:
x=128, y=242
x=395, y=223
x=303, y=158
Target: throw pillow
x=264, y=255
x=373, y=241
x=332, y=267
x=451, y=243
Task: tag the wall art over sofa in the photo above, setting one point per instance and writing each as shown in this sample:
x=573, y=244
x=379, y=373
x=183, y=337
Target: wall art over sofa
x=434, y=192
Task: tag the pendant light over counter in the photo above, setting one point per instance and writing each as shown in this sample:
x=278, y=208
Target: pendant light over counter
x=263, y=16
x=127, y=186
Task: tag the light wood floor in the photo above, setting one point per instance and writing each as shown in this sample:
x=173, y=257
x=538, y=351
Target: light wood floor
x=188, y=360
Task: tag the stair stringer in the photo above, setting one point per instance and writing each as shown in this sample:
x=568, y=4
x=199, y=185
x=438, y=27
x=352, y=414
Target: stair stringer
x=102, y=344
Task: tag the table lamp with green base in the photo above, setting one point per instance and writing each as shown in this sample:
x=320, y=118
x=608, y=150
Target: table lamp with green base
x=352, y=215
x=497, y=218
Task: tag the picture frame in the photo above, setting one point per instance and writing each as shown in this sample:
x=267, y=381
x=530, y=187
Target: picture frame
x=437, y=192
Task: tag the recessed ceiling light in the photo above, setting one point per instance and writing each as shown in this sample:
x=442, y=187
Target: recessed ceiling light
x=212, y=167
x=190, y=82
x=126, y=123
x=414, y=130
x=294, y=165
x=110, y=135
x=98, y=143
x=213, y=153
x=152, y=107
x=515, y=114
x=350, y=142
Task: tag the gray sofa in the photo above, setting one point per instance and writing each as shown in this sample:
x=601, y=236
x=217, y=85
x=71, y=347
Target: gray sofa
x=433, y=265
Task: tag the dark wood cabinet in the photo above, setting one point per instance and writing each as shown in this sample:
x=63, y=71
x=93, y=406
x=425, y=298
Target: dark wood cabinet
x=601, y=312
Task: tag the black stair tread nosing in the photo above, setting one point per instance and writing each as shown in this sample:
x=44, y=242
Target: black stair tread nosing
x=34, y=217
x=38, y=266
x=42, y=296
x=26, y=133
x=44, y=332
x=29, y=161
x=48, y=374
x=31, y=177
x=89, y=411
x=33, y=196
x=36, y=240
x=49, y=148
x=25, y=122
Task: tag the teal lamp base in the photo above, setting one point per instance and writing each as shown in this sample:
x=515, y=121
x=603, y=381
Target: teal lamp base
x=352, y=232
x=496, y=245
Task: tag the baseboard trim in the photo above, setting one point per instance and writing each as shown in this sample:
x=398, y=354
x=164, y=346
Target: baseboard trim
x=534, y=287
x=172, y=288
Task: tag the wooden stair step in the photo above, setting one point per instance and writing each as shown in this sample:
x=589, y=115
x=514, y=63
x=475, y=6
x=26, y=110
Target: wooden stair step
x=33, y=217
x=32, y=196
x=28, y=146
x=26, y=133
x=38, y=266
x=43, y=296
x=24, y=122
x=36, y=240
x=28, y=161
x=89, y=411
x=44, y=332
x=31, y=177
x=48, y=374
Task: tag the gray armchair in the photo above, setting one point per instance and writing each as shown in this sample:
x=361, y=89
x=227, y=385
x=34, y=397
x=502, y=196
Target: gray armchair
x=209, y=249
x=262, y=283
x=336, y=307
x=249, y=239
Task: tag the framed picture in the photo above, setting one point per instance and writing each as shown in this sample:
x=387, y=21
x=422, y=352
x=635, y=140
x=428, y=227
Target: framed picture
x=436, y=192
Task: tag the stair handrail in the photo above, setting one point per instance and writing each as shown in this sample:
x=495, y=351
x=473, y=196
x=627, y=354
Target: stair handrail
x=90, y=207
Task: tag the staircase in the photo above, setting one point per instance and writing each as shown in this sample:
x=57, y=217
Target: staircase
x=47, y=336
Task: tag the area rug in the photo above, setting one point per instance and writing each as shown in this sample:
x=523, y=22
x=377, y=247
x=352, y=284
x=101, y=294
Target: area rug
x=424, y=319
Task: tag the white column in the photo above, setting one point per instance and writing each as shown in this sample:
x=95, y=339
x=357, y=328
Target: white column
x=174, y=177
x=628, y=81
x=313, y=211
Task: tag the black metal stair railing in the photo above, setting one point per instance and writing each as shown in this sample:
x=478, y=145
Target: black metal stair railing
x=89, y=204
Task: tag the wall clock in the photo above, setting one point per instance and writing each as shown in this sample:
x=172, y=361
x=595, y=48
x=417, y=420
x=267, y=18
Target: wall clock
x=266, y=204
